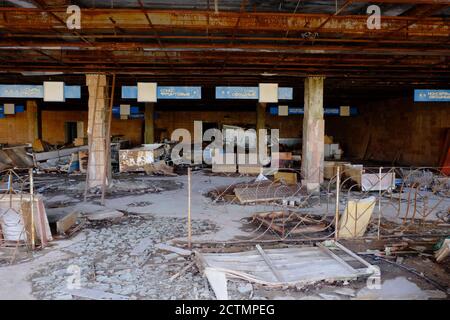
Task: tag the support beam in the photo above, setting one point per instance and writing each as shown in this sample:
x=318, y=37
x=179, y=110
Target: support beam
x=98, y=98
x=260, y=119
x=313, y=133
x=32, y=120
x=149, y=136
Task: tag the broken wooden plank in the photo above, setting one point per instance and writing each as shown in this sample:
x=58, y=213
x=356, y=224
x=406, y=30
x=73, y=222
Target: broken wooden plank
x=104, y=215
x=179, y=251
x=266, y=193
x=66, y=222
x=182, y=271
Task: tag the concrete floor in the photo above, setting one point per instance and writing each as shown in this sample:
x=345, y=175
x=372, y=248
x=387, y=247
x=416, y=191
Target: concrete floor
x=15, y=280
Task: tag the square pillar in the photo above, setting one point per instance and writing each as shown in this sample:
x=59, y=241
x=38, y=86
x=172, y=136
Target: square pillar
x=260, y=119
x=98, y=99
x=32, y=120
x=313, y=133
x=149, y=134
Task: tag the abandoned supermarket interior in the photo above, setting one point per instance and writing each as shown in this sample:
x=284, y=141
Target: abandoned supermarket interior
x=224, y=150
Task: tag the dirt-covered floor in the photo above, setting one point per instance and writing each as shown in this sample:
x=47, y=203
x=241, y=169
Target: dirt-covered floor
x=154, y=211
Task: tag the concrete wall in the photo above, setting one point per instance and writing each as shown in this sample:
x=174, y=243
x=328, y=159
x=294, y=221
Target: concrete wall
x=412, y=133
x=14, y=129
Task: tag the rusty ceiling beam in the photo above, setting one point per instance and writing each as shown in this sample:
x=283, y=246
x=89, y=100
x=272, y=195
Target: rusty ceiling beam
x=401, y=40
x=131, y=19
x=158, y=38
x=237, y=49
x=233, y=35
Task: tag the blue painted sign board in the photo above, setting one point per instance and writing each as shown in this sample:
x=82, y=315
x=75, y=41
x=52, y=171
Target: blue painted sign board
x=165, y=92
x=428, y=95
x=249, y=93
x=35, y=91
x=133, y=110
x=327, y=111
x=17, y=109
x=179, y=92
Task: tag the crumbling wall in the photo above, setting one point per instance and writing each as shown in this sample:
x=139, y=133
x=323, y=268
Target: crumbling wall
x=396, y=129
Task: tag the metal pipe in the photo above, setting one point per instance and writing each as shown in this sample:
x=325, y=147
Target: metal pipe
x=33, y=235
x=338, y=182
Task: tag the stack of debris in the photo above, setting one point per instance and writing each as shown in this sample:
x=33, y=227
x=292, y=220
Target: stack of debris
x=283, y=267
x=287, y=223
x=257, y=192
x=16, y=219
x=149, y=158
x=18, y=157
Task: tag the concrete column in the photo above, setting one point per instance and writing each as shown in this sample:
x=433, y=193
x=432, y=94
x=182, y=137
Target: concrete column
x=98, y=99
x=313, y=133
x=32, y=120
x=149, y=134
x=260, y=118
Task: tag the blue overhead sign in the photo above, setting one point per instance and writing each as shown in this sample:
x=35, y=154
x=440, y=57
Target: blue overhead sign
x=35, y=91
x=179, y=92
x=431, y=95
x=249, y=93
x=327, y=111
x=165, y=92
x=237, y=93
x=21, y=91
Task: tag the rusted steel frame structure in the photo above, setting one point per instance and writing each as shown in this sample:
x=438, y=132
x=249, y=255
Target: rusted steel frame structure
x=247, y=43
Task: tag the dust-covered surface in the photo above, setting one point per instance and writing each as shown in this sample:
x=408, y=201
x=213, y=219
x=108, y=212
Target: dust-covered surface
x=106, y=262
x=155, y=211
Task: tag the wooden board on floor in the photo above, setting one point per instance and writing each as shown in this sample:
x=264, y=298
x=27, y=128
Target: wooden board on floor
x=267, y=193
x=297, y=265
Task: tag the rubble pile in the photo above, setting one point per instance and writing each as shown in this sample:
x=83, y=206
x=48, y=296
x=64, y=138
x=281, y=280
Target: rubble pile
x=106, y=262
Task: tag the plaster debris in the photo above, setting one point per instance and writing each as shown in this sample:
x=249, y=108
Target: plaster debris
x=106, y=262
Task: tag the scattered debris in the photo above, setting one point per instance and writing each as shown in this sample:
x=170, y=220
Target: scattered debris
x=104, y=256
x=290, y=223
x=159, y=168
x=16, y=157
x=443, y=251
x=218, y=281
x=15, y=219
x=104, y=215
x=286, y=177
x=66, y=222
x=266, y=193
x=186, y=268
x=356, y=217
x=369, y=181
x=96, y=294
x=284, y=267
x=180, y=251
x=134, y=160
